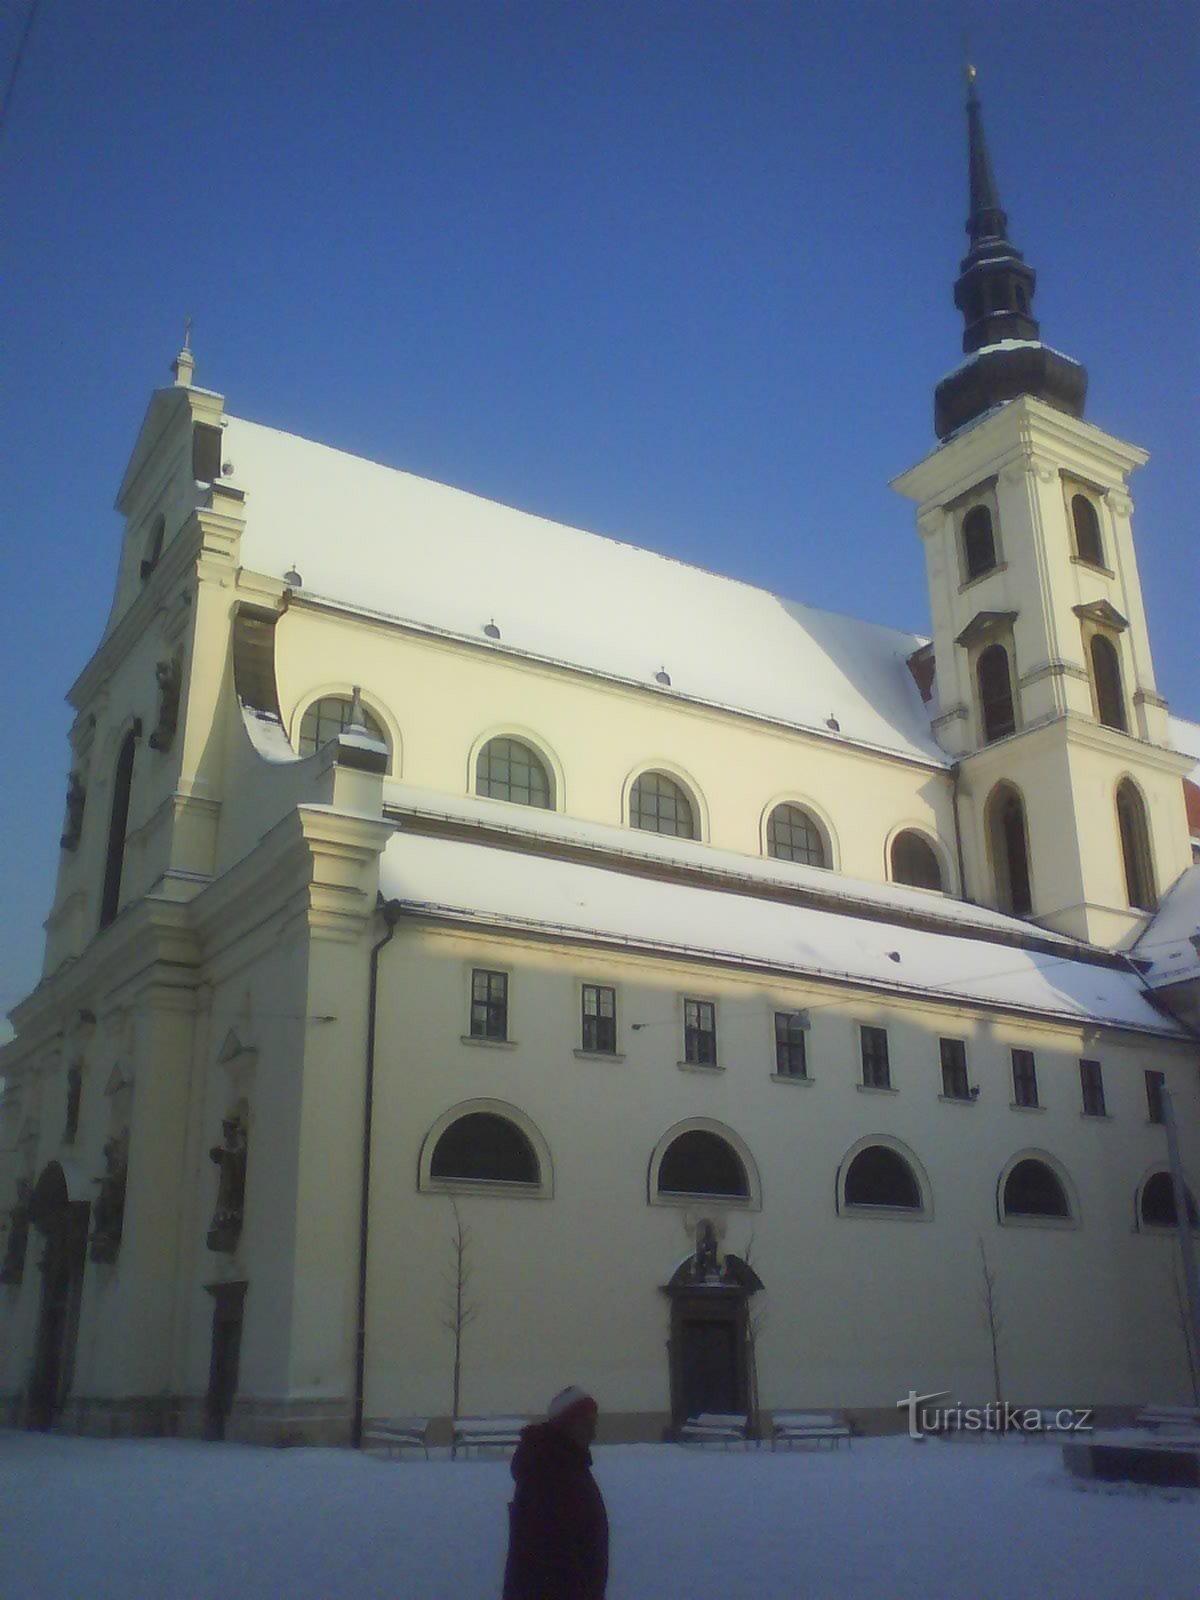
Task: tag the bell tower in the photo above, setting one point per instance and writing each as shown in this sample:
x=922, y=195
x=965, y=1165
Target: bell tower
x=1070, y=804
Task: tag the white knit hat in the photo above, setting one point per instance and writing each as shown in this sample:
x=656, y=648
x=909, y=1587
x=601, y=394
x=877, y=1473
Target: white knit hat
x=569, y=1403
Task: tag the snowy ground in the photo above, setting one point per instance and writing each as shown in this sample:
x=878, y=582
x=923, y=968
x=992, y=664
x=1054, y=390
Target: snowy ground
x=173, y=1520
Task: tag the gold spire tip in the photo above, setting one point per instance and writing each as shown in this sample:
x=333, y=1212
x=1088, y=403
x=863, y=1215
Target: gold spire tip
x=970, y=72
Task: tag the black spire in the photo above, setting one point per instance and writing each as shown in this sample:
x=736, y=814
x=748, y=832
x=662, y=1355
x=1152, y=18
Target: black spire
x=994, y=292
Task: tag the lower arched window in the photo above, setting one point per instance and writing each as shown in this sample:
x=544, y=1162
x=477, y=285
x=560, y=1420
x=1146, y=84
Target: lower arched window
x=1135, y=848
x=507, y=769
x=331, y=715
x=793, y=835
x=659, y=805
x=702, y=1163
x=880, y=1176
x=915, y=862
x=1158, y=1203
x=1034, y=1189
x=482, y=1147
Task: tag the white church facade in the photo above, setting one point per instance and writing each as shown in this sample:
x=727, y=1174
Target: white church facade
x=744, y=979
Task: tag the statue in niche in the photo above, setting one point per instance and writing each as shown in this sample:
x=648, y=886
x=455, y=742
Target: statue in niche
x=230, y=1159
x=706, y=1266
x=76, y=801
x=74, y=1090
x=108, y=1208
x=12, y=1269
x=169, y=676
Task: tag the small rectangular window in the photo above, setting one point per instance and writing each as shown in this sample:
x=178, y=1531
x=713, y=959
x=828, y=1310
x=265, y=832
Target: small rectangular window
x=206, y=452
x=791, y=1056
x=954, y=1069
x=699, y=1033
x=599, y=1018
x=1025, y=1092
x=876, y=1069
x=1155, y=1082
x=489, y=1004
x=1091, y=1082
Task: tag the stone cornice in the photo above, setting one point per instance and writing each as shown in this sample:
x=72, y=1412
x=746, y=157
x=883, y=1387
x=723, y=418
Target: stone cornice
x=1082, y=732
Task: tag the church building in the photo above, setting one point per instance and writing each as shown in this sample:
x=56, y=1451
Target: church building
x=486, y=956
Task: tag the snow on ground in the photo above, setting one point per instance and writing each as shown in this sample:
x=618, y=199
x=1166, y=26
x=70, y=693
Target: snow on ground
x=88, y=1519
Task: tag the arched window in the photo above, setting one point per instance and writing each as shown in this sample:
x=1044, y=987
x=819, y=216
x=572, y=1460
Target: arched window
x=509, y=770
x=700, y=1162
x=1010, y=850
x=880, y=1176
x=110, y=898
x=484, y=1148
x=659, y=805
x=995, y=693
x=1158, y=1203
x=915, y=862
x=1106, y=675
x=979, y=544
x=1135, y=848
x=1087, y=531
x=328, y=717
x=1032, y=1189
x=793, y=835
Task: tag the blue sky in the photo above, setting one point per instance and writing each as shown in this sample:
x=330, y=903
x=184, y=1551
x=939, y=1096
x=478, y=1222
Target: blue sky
x=677, y=272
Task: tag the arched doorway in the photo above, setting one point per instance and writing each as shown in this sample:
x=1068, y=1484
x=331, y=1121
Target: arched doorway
x=710, y=1347
x=63, y=1222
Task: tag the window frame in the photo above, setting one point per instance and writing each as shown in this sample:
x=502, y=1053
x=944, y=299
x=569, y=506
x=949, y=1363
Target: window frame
x=1038, y=1219
x=958, y=1066
x=811, y=823
x=484, y=1035
x=968, y=542
x=537, y=763
x=1108, y=682
x=1091, y=1088
x=997, y=711
x=1155, y=1082
x=672, y=1198
x=694, y=1033
x=1077, y=497
x=869, y=1060
x=868, y=1210
x=1136, y=847
x=1024, y=1082
x=684, y=791
x=794, y=1040
x=595, y=1048
x=902, y=832
x=1148, y=1225
x=371, y=713
x=428, y=1184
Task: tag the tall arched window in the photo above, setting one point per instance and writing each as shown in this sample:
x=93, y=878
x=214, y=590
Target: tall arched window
x=328, y=717
x=793, y=835
x=1033, y=1189
x=979, y=544
x=659, y=805
x=1140, y=888
x=914, y=861
x=699, y=1162
x=118, y=825
x=1010, y=850
x=484, y=1148
x=509, y=770
x=1087, y=531
x=1106, y=676
x=995, y=693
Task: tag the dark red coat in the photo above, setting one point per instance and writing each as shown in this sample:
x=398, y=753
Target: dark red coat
x=558, y=1528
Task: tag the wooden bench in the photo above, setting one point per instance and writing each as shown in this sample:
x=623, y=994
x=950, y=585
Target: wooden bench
x=1170, y=1419
x=809, y=1427
x=487, y=1433
x=715, y=1427
x=393, y=1435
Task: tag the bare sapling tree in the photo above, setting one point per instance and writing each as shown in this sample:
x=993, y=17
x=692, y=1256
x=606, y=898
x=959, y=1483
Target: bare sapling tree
x=1179, y=1296
x=460, y=1311
x=992, y=1319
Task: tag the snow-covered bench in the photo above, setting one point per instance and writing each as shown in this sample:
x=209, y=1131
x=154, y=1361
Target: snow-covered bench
x=487, y=1433
x=393, y=1434
x=1170, y=1419
x=715, y=1427
x=809, y=1427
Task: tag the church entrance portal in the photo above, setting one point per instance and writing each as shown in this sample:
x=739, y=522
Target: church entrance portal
x=710, y=1351
x=229, y=1299
x=63, y=1223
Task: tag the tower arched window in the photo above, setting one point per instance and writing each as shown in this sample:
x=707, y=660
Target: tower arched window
x=995, y=693
x=1136, y=854
x=1106, y=676
x=118, y=826
x=659, y=805
x=1009, y=840
x=979, y=542
x=508, y=769
x=793, y=835
x=1087, y=531
x=914, y=861
x=331, y=715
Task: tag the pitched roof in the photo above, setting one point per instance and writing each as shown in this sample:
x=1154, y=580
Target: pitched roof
x=1171, y=941
x=378, y=540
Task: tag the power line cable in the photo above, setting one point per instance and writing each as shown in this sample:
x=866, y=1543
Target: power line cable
x=16, y=66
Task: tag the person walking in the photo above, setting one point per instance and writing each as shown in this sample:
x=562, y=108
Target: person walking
x=557, y=1524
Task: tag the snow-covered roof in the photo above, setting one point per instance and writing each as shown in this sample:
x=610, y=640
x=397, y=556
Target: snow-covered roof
x=1171, y=942
x=514, y=890
x=381, y=541
x=855, y=896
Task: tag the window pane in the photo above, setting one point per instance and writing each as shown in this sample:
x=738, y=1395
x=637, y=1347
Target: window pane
x=1087, y=531
x=914, y=861
x=876, y=1070
x=954, y=1069
x=326, y=718
x=792, y=835
x=699, y=1033
x=1033, y=1190
x=481, y=1146
x=1154, y=1088
x=790, y=1051
x=509, y=770
x=599, y=1018
x=979, y=548
x=699, y=1162
x=1092, y=1086
x=1024, y=1078
x=489, y=1004
x=881, y=1177
x=659, y=805
x=995, y=693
